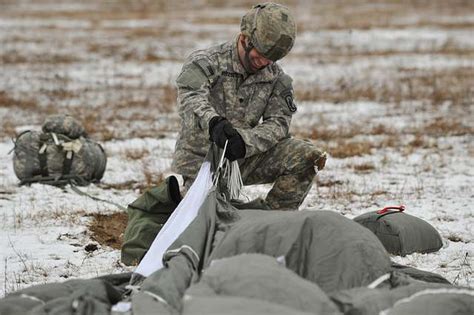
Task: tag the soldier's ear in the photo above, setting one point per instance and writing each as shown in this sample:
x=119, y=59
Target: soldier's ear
x=243, y=39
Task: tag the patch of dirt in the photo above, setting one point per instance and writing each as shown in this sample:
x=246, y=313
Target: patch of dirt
x=108, y=229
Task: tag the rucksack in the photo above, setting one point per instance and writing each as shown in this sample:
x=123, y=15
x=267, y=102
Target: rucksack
x=401, y=233
x=60, y=154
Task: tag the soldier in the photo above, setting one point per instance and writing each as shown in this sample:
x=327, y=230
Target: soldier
x=236, y=91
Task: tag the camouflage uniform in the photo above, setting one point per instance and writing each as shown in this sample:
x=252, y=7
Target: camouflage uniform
x=213, y=82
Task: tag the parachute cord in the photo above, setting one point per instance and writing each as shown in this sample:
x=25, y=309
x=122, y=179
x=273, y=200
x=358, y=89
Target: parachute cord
x=218, y=170
x=234, y=179
x=83, y=193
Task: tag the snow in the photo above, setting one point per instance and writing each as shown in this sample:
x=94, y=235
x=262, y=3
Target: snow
x=43, y=229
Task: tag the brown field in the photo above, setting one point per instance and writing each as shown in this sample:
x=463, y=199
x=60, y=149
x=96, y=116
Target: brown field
x=385, y=87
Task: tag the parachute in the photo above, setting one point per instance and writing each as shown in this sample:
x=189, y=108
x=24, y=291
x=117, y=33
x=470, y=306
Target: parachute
x=228, y=261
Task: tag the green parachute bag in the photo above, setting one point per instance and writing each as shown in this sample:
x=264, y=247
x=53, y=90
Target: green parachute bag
x=401, y=233
x=146, y=216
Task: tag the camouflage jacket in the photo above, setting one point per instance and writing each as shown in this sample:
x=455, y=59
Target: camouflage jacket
x=213, y=82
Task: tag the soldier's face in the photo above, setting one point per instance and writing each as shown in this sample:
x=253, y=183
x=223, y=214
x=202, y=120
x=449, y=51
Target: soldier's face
x=257, y=61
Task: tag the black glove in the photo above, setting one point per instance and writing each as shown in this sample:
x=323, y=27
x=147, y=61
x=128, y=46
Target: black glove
x=235, y=148
x=221, y=130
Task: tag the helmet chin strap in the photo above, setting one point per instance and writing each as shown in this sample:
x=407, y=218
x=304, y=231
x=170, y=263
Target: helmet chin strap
x=247, y=64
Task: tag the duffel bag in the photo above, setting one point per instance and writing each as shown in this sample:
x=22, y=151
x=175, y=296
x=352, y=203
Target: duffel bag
x=146, y=216
x=56, y=159
x=401, y=233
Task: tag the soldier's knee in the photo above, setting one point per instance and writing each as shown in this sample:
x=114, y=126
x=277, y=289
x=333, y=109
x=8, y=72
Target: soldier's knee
x=309, y=156
x=320, y=161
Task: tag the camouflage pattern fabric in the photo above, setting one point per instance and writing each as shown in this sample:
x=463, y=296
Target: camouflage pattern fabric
x=271, y=29
x=290, y=165
x=64, y=124
x=41, y=157
x=260, y=106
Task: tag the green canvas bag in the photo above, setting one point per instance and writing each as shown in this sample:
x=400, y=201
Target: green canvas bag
x=146, y=216
x=401, y=233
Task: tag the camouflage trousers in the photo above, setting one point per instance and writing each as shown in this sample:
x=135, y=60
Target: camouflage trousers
x=291, y=165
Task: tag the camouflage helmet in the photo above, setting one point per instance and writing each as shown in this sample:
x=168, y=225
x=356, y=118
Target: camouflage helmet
x=271, y=29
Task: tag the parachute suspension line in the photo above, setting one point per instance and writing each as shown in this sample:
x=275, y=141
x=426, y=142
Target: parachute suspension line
x=232, y=174
x=219, y=167
x=234, y=179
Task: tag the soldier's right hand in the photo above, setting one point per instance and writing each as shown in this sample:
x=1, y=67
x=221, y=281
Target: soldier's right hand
x=221, y=130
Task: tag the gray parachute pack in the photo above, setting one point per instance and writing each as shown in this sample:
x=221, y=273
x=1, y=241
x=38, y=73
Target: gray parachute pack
x=60, y=154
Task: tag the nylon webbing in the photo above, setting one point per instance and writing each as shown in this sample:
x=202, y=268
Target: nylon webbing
x=82, y=193
x=43, y=161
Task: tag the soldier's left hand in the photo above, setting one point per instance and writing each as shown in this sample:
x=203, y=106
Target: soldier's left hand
x=235, y=148
x=221, y=130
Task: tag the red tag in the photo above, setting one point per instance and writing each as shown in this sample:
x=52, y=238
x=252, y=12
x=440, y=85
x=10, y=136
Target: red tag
x=384, y=210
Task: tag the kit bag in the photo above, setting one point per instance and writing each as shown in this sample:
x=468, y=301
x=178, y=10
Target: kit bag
x=60, y=154
x=401, y=233
x=146, y=216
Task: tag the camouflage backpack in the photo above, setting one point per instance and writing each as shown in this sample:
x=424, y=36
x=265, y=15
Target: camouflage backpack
x=60, y=154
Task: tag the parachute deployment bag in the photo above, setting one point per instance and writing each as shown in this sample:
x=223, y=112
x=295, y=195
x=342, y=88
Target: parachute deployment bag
x=60, y=154
x=401, y=233
x=146, y=216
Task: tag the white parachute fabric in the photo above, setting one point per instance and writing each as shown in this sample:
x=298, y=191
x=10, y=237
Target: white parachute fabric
x=179, y=220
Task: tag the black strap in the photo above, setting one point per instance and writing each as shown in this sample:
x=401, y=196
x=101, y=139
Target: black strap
x=62, y=180
x=43, y=160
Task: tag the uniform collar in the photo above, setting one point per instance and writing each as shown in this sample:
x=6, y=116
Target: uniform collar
x=236, y=64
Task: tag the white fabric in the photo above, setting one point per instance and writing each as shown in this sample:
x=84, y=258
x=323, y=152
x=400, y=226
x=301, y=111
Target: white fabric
x=378, y=281
x=179, y=220
x=122, y=307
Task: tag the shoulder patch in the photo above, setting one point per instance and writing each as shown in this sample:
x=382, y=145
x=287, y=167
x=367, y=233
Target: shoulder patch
x=288, y=97
x=285, y=88
x=205, y=66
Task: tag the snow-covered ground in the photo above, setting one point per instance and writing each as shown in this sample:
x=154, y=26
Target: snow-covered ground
x=390, y=99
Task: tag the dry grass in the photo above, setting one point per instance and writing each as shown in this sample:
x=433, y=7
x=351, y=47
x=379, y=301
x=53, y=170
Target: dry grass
x=8, y=129
x=365, y=14
x=344, y=149
x=136, y=154
x=168, y=98
x=16, y=57
x=423, y=142
x=151, y=178
x=94, y=127
x=455, y=86
x=8, y=101
x=442, y=126
x=44, y=218
x=328, y=182
x=358, y=139
x=364, y=167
